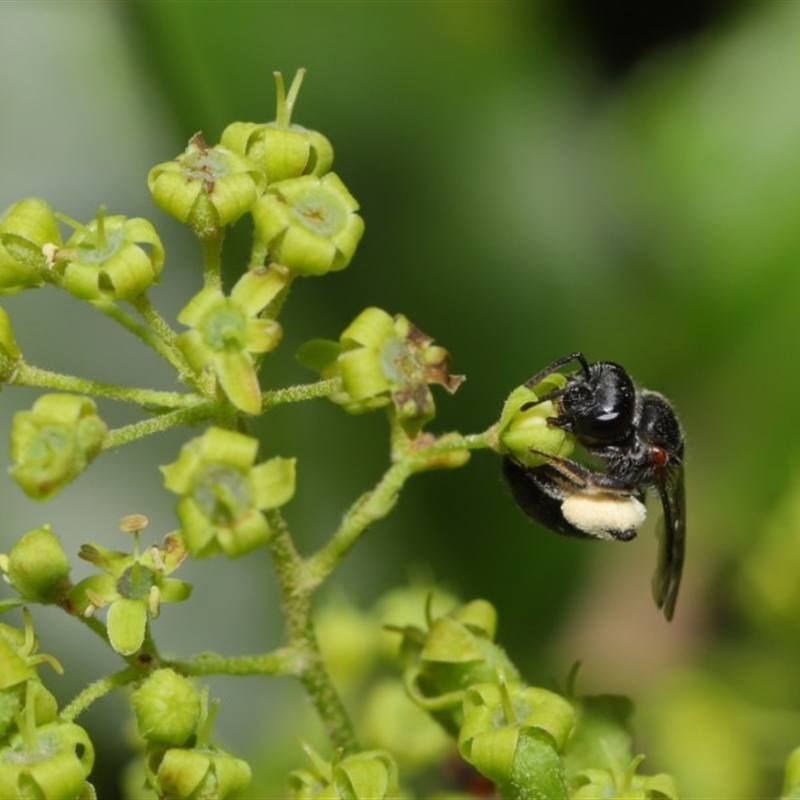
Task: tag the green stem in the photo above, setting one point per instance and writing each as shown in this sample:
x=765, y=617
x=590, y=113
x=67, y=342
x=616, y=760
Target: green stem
x=27, y=375
x=212, y=260
x=296, y=394
x=311, y=669
x=279, y=662
x=94, y=691
x=138, y=430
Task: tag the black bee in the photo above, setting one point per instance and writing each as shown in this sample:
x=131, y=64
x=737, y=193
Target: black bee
x=636, y=437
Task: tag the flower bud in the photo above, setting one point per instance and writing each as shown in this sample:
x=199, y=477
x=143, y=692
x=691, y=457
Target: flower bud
x=27, y=227
x=37, y=567
x=207, y=188
x=523, y=425
x=111, y=258
x=309, y=224
x=54, y=442
x=222, y=492
x=167, y=708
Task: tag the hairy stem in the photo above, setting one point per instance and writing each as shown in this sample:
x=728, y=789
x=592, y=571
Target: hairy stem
x=27, y=375
x=311, y=668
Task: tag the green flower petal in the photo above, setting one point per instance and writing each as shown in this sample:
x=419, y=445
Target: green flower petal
x=259, y=287
x=228, y=447
x=192, y=346
x=263, y=335
x=273, y=482
x=126, y=623
x=195, y=311
x=372, y=327
x=362, y=374
x=174, y=591
x=250, y=531
x=238, y=379
x=199, y=533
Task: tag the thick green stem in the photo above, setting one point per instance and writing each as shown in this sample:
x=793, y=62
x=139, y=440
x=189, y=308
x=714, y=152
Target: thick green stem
x=311, y=668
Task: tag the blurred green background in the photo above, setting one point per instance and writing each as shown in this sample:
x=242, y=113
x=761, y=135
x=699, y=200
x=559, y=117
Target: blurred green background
x=536, y=178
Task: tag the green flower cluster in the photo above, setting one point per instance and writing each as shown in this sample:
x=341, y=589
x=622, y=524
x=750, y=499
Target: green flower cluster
x=305, y=218
x=40, y=756
x=530, y=742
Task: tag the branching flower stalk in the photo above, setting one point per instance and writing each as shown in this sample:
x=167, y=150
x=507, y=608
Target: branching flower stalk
x=230, y=498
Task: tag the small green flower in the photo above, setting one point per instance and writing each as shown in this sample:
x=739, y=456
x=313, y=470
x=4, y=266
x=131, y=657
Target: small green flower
x=281, y=149
x=167, y=708
x=226, y=332
x=456, y=652
x=37, y=567
x=381, y=360
x=223, y=492
x=208, y=188
x=51, y=762
x=523, y=426
x=111, y=258
x=133, y=586
x=513, y=735
x=368, y=775
x=309, y=224
x=54, y=442
x=28, y=231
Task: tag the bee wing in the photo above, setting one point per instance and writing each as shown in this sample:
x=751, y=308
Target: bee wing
x=667, y=577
